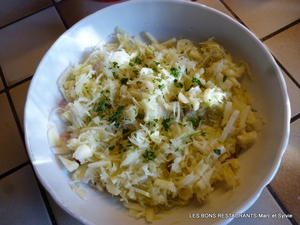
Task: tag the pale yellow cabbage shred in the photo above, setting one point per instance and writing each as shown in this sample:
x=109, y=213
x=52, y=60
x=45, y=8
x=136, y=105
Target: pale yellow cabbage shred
x=156, y=124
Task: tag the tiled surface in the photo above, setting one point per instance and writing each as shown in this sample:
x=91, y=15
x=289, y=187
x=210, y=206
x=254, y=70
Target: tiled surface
x=12, y=150
x=286, y=47
x=16, y=190
x=32, y=37
x=35, y=25
x=216, y=4
x=294, y=93
x=74, y=10
x=18, y=95
x=11, y=11
x=289, y=172
x=1, y=85
x=62, y=218
x=265, y=17
x=265, y=205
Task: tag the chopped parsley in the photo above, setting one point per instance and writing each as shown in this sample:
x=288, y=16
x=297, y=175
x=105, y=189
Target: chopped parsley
x=175, y=72
x=111, y=148
x=101, y=106
x=217, y=151
x=116, y=65
x=150, y=123
x=117, y=115
x=178, y=85
x=124, y=80
x=136, y=72
x=140, y=116
x=166, y=123
x=161, y=86
x=116, y=76
x=195, y=121
x=197, y=81
x=103, y=93
x=149, y=155
x=154, y=69
x=137, y=60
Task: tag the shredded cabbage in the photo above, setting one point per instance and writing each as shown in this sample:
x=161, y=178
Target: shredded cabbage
x=155, y=124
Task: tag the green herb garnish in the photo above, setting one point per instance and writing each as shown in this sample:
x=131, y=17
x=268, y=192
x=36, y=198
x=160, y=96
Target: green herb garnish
x=117, y=115
x=137, y=60
x=111, y=148
x=166, y=123
x=149, y=155
x=115, y=65
x=195, y=121
x=101, y=106
x=197, y=81
x=140, y=116
x=175, y=72
x=124, y=81
x=217, y=151
x=161, y=86
x=116, y=76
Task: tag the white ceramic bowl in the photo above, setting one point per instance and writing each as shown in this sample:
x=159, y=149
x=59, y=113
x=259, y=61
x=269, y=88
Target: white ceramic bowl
x=163, y=19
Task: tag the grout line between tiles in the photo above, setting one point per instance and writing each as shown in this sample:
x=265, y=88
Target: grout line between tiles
x=281, y=205
x=280, y=30
x=45, y=198
x=21, y=133
x=24, y=17
x=287, y=72
x=11, y=171
x=234, y=14
x=55, y=4
x=7, y=88
x=293, y=119
x=15, y=115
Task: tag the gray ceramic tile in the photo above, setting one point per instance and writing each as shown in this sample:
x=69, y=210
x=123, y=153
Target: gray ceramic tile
x=24, y=43
x=20, y=199
x=12, y=150
x=216, y=4
x=286, y=183
x=1, y=85
x=294, y=93
x=61, y=216
x=264, y=17
x=74, y=10
x=16, y=9
x=262, y=209
x=286, y=47
x=18, y=95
